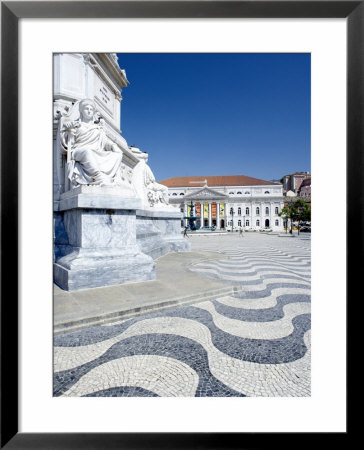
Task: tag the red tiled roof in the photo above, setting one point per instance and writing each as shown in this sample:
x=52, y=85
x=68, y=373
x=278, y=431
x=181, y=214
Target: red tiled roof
x=217, y=180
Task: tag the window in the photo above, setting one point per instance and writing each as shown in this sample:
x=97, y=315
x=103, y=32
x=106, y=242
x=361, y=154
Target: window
x=182, y=209
x=239, y=192
x=246, y=192
x=267, y=211
x=247, y=223
x=174, y=193
x=266, y=192
x=239, y=211
x=181, y=193
x=231, y=193
x=277, y=223
x=257, y=212
x=258, y=223
x=181, y=223
x=231, y=211
x=239, y=223
x=247, y=211
x=276, y=210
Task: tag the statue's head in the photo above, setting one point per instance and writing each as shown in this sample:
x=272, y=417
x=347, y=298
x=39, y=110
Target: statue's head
x=87, y=108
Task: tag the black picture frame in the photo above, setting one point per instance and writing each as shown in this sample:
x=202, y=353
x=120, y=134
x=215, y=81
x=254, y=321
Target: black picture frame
x=11, y=12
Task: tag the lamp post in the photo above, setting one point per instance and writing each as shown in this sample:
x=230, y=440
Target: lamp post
x=232, y=219
x=192, y=217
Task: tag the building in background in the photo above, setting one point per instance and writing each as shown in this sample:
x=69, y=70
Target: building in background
x=293, y=181
x=228, y=201
x=305, y=189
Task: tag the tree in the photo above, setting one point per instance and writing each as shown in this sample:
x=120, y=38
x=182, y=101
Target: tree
x=302, y=212
x=296, y=211
x=287, y=213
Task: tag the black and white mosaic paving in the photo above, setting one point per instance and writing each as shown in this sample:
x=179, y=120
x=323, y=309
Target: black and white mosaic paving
x=256, y=343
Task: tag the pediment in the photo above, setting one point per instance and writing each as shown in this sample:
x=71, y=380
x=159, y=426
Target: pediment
x=205, y=194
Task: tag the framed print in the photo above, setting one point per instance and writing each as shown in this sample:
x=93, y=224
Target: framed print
x=26, y=230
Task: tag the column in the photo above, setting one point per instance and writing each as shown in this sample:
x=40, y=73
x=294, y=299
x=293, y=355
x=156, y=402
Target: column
x=217, y=215
x=210, y=215
x=251, y=214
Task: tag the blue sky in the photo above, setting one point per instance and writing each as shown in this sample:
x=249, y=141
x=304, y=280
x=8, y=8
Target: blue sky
x=219, y=114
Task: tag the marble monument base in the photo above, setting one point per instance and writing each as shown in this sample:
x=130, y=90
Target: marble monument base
x=85, y=268
x=159, y=232
x=95, y=241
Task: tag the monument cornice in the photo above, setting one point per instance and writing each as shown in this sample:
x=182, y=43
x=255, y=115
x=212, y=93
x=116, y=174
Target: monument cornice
x=112, y=79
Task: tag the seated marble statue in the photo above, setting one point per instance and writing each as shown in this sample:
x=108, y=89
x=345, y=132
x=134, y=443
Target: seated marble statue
x=92, y=158
x=157, y=193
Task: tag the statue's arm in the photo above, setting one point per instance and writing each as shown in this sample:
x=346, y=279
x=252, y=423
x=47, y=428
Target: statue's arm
x=68, y=133
x=111, y=146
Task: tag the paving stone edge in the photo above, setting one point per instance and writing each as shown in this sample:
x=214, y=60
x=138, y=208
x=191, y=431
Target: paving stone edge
x=159, y=305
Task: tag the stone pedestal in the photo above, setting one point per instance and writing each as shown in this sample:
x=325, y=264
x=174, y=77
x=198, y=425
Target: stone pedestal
x=95, y=240
x=159, y=232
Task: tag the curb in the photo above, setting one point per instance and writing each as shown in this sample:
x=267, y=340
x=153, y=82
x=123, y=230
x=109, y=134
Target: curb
x=159, y=305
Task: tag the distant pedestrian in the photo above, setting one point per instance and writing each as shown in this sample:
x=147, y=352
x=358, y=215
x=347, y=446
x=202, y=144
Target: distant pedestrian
x=185, y=232
x=241, y=232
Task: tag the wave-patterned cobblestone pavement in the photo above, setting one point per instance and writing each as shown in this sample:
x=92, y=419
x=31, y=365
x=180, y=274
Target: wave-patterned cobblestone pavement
x=255, y=343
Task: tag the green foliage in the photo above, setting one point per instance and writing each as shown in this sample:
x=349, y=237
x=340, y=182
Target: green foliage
x=297, y=211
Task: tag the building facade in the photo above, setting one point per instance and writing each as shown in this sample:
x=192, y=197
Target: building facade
x=228, y=202
x=293, y=181
x=305, y=189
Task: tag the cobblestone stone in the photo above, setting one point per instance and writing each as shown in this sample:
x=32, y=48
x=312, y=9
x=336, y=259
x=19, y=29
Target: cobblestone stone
x=256, y=343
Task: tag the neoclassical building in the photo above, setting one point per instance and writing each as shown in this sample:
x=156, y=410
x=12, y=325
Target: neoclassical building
x=228, y=201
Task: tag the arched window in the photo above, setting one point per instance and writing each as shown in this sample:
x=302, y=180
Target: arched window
x=276, y=210
x=246, y=192
x=267, y=211
x=266, y=192
x=231, y=193
x=174, y=193
x=239, y=211
x=247, y=223
x=257, y=211
x=181, y=193
x=239, y=223
x=258, y=223
x=247, y=211
x=277, y=223
x=231, y=211
x=239, y=192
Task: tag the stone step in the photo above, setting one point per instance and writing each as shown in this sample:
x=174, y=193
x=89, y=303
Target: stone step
x=139, y=309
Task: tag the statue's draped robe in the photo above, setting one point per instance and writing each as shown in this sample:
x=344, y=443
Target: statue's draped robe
x=92, y=156
x=149, y=181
